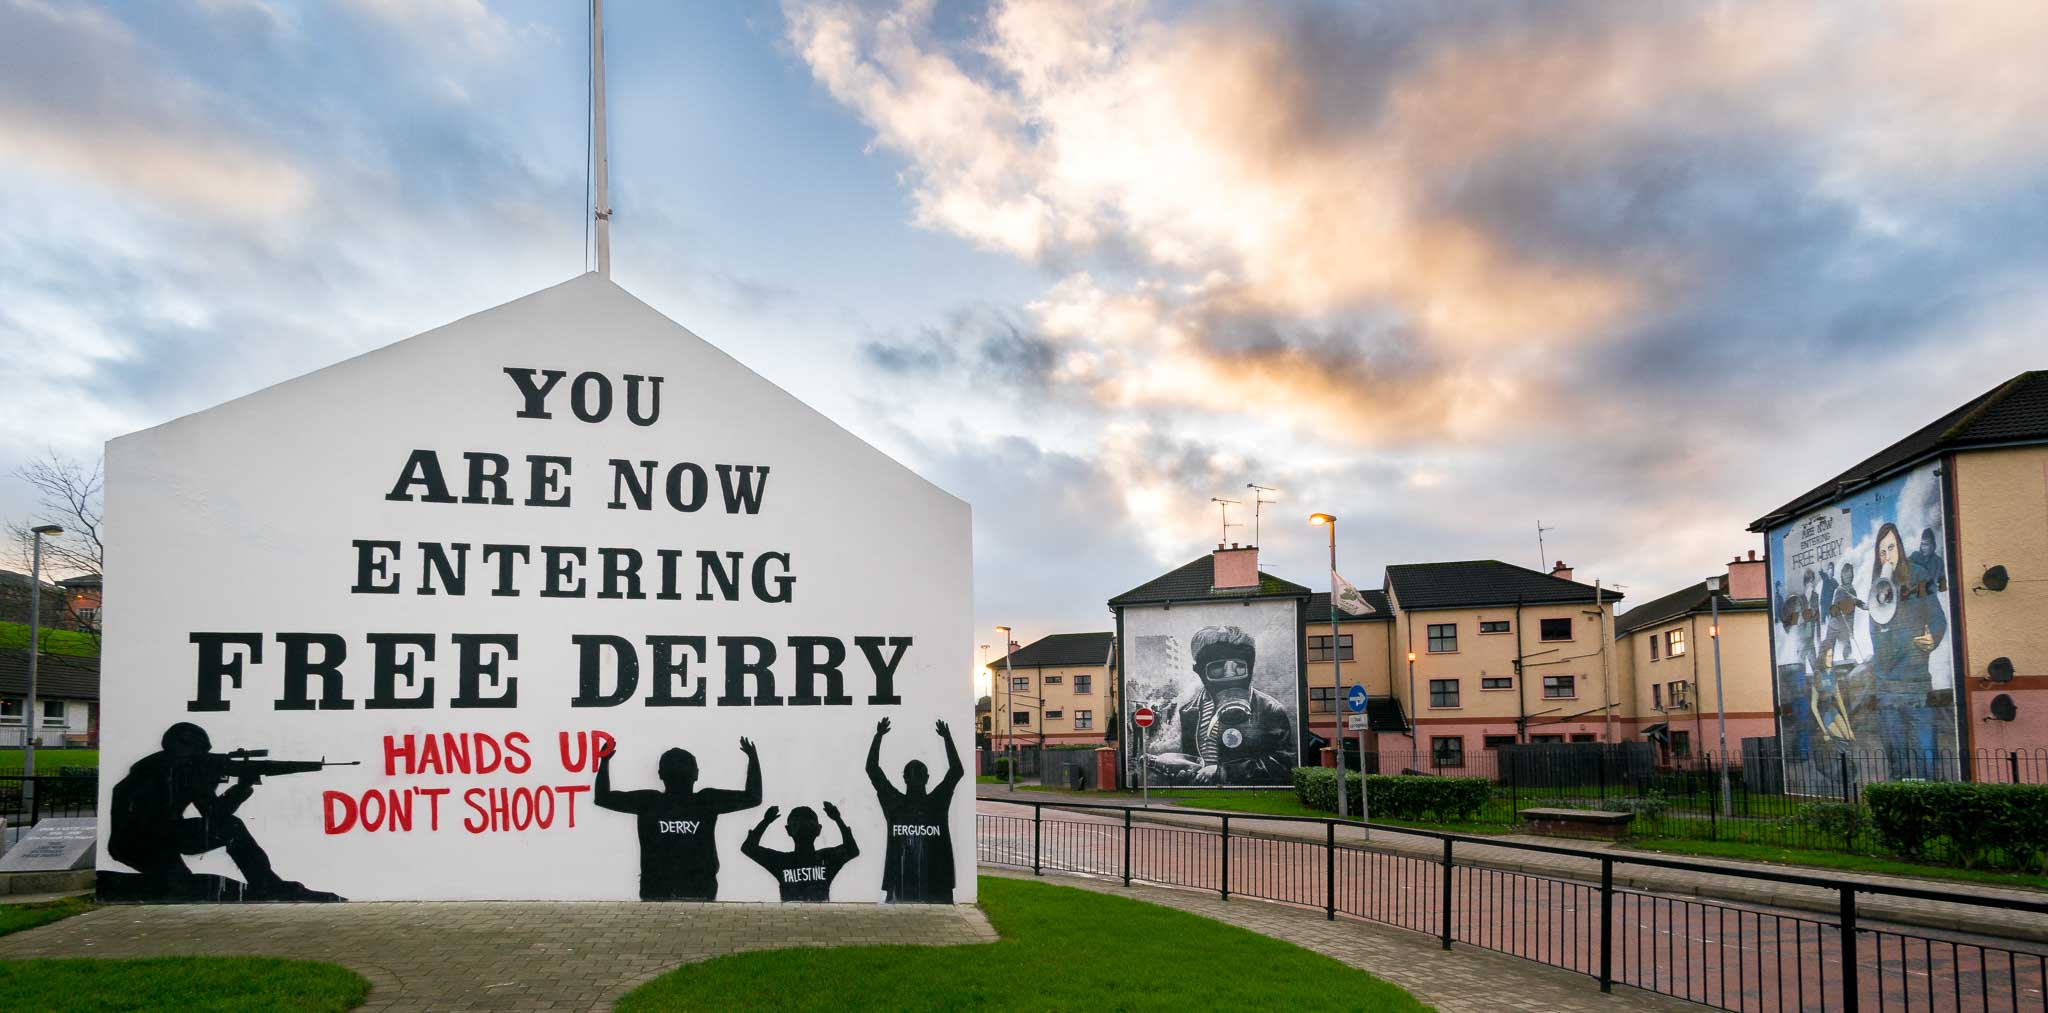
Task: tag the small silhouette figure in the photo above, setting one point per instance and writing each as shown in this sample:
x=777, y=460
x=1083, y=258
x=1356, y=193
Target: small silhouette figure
x=917, y=866
x=804, y=874
x=678, y=824
x=149, y=831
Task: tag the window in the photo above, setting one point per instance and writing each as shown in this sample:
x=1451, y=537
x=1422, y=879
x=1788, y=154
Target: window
x=1055, y=715
x=1447, y=751
x=1674, y=643
x=1443, y=638
x=1443, y=692
x=1585, y=737
x=1546, y=740
x=1681, y=743
x=1653, y=647
x=1656, y=694
x=1055, y=680
x=1319, y=648
x=1322, y=699
x=1675, y=692
x=88, y=618
x=1497, y=741
x=1084, y=684
x=1494, y=626
x=1560, y=687
x=1555, y=629
x=1020, y=719
x=1084, y=720
x=1497, y=682
x=1020, y=684
x=10, y=712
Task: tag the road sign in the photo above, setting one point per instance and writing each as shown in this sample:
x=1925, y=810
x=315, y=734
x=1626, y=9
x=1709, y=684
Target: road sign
x=1144, y=717
x=1355, y=699
x=1354, y=722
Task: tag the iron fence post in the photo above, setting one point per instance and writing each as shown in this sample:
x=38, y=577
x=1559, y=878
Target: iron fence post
x=2014, y=759
x=1607, y=925
x=1447, y=894
x=1127, y=847
x=35, y=801
x=1226, y=858
x=1713, y=812
x=1330, y=871
x=1849, y=990
x=1037, y=822
x=1842, y=761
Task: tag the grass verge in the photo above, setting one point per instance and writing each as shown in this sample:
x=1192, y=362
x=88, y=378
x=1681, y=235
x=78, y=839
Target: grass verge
x=1842, y=860
x=49, y=761
x=17, y=917
x=162, y=983
x=72, y=642
x=1162, y=959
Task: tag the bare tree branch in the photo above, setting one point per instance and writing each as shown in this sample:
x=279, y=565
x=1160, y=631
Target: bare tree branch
x=69, y=495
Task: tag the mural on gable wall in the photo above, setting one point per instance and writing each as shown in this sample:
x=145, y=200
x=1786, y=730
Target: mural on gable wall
x=1860, y=627
x=1225, y=681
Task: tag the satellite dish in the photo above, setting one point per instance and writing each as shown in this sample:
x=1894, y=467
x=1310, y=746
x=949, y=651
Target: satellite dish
x=1884, y=599
x=2002, y=708
x=2000, y=669
x=1996, y=578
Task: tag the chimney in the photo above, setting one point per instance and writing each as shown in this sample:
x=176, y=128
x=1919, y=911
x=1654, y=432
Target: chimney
x=1236, y=567
x=1748, y=578
x=1561, y=570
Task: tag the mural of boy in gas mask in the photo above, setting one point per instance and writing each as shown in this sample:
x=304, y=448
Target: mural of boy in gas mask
x=678, y=825
x=1230, y=733
x=1906, y=623
x=805, y=873
x=917, y=866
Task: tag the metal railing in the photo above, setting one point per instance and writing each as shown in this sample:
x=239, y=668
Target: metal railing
x=25, y=801
x=1724, y=954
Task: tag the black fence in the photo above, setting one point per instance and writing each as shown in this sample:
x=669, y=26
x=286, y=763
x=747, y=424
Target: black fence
x=25, y=801
x=1723, y=954
x=1815, y=804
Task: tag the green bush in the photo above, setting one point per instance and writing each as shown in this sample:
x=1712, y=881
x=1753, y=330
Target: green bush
x=1648, y=806
x=1002, y=768
x=1403, y=797
x=1981, y=824
x=1833, y=822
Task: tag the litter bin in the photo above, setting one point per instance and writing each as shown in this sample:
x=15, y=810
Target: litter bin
x=1077, y=777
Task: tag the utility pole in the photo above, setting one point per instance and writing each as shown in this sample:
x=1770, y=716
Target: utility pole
x=1010, y=715
x=1714, y=585
x=1606, y=681
x=600, y=184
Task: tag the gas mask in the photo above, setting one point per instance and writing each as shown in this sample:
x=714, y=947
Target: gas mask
x=1228, y=681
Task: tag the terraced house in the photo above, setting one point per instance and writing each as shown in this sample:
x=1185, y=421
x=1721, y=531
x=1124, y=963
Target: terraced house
x=1056, y=691
x=1666, y=650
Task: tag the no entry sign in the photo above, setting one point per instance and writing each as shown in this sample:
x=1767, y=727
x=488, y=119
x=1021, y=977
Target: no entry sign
x=1144, y=717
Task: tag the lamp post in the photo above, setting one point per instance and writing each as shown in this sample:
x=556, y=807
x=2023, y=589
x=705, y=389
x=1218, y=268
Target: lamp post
x=35, y=636
x=1414, y=743
x=1336, y=669
x=1010, y=714
x=1714, y=588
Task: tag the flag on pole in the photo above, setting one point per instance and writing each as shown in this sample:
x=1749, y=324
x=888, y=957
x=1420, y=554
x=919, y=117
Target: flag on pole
x=1346, y=597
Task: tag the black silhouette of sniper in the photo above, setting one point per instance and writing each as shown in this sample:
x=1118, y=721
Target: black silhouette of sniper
x=917, y=867
x=150, y=833
x=678, y=824
x=804, y=874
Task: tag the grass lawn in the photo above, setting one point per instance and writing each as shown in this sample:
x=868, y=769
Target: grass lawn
x=210, y=983
x=1052, y=957
x=84, y=645
x=1841, y=860
x=49, y=760
x=16, y=917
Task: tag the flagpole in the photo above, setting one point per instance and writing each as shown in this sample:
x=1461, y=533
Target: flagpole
x=601, y=186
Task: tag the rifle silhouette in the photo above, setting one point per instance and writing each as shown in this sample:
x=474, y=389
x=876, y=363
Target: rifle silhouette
x=248, y=766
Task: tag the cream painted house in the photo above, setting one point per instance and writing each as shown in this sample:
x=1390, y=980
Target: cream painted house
x=1666, y=651
x=1056, y=691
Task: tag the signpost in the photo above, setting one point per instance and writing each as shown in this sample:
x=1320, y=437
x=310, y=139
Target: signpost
x=1143, y=718
x=1356, y=700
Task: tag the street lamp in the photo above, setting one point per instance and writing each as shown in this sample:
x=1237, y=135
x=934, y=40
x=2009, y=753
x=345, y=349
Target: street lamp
x=35, y=635
x=1715, y=585
x=1337, y=671
x=1414, y=744
x=1010, y=714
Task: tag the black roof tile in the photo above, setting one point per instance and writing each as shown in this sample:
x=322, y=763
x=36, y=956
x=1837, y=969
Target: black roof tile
x=1061, y=649
x=2013, y=411
x=1682, y=602
x=1194, y=582
x=1473, y=583
x=58, y=676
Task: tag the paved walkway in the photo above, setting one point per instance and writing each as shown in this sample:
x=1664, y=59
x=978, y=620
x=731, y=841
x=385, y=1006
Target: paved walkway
x=1952, y=917
x=1463, y=979
x=478, y=956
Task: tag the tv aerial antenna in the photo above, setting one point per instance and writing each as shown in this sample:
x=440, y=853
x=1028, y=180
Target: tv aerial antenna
x=1543, y=557
x=1258, y=500
x=1223, y=509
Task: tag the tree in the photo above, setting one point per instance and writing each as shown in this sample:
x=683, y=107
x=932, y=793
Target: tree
x=68, y=494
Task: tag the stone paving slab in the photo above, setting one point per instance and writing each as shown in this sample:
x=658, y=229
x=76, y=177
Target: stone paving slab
x=482, y=956
x=1461, y=980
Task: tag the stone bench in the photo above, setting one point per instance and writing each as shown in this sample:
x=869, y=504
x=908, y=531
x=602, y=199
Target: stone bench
x=1587, y=824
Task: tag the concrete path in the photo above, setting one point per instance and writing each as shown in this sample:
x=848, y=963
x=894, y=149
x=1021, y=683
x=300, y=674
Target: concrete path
x=506, y=956
x=1455, y=981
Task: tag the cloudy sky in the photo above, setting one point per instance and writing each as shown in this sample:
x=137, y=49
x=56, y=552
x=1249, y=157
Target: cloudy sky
x=1642, y=271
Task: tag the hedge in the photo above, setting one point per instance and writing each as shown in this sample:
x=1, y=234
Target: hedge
x=1404, y=797
x=1982, y=824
